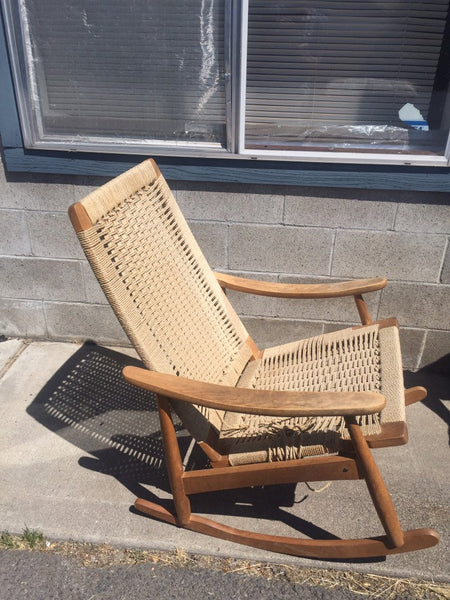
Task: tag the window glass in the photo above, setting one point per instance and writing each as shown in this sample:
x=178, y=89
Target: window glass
x=137, y=69
x=328, y=75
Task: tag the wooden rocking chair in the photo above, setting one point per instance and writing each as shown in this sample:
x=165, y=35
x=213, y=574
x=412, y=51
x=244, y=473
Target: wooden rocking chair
x=304, y=411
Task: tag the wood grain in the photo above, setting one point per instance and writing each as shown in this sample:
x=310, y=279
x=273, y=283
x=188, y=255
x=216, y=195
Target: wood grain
x=260, y=402
x=300, y=290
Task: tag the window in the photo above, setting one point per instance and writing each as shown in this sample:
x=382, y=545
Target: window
x=110, y=74
x=333, y=75
x=309, y=80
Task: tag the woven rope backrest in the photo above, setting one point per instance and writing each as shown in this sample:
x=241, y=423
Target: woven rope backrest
x=158, y=281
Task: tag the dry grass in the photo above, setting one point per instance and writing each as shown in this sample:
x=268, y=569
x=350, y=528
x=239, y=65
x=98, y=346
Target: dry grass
x=102, y=556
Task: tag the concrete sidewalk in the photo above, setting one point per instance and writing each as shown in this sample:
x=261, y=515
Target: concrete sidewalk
x=78, y=445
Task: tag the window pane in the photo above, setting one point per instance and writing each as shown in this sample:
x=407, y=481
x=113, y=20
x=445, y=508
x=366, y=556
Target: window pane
x=139, y=69
x=329, y=75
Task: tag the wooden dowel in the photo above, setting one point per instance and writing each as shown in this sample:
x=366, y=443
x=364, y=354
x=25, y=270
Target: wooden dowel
x=363, y=311
x=375, y=484
x=415, y=394
x=174, y=463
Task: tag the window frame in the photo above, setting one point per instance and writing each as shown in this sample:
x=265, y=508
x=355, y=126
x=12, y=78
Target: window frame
x=18, y=159
x=235, y=60
x=35, y=139
x=354, y=157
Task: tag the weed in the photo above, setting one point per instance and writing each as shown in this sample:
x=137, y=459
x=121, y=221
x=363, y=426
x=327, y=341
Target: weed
x=7, y=540
x=32, y=537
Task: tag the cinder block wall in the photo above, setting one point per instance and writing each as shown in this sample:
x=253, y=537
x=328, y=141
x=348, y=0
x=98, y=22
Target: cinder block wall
x=275, y=233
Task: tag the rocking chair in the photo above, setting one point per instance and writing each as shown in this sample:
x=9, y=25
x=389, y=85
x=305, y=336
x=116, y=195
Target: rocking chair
x=303, y=411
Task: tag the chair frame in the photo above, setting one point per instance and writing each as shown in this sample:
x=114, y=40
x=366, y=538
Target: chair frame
x=355, y=461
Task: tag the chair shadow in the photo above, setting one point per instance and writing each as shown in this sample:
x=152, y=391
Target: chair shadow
x=88, y=403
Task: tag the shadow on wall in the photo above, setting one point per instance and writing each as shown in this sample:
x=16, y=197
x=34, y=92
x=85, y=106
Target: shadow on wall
x=435, y=377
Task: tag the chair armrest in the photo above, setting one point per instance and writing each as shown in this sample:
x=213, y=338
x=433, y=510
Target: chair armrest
x=300, y=290
x=259, y=402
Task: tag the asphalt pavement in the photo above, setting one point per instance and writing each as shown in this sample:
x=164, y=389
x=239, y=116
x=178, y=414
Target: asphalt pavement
x=39, y=576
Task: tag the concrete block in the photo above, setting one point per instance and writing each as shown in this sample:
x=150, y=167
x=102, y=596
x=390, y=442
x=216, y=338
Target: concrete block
x=250, y=304
x=401, y=196
x=411, y=343
x=427, y=218
x=272, y=332
x=329, y=327
x=94, y=293
x=328, y=209
x=72, y=321
x=325, y=309
x=212, y=239
x=13, y=233
x=229, y=202
x=445, y=273
x=8, y=197
x=422, y=306
x=367, y=195
x=41, y=278
x=52, y=235
x=437, y=348
x=280, y=249
x=22, y=318
x=85, y=184
x=35, y=191
x=393, y=255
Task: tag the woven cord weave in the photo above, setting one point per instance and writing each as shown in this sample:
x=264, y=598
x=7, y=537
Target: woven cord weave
x=162, y=289
x=347, y=360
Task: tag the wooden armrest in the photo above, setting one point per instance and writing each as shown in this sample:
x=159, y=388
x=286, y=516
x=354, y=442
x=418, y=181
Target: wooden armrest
x=259, y=402
x=300, y=290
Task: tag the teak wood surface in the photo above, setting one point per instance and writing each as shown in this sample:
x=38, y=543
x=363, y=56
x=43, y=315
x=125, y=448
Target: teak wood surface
x=253, y=401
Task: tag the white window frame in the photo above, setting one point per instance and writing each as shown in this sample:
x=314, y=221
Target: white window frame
x=318, y=156
x=31, y=126
x=236, y=38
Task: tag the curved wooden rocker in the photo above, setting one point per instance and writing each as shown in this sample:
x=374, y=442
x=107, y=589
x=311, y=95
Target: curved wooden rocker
x=306, y=411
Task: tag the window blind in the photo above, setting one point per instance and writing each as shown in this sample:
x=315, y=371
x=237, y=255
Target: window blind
x=335, y=73
x=139, y=69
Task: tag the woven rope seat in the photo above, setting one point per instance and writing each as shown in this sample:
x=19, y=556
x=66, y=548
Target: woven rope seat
x=309, y=410
x=356, y=360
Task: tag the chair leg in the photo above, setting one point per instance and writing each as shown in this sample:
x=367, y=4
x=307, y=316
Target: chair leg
x=376, y=486
x=174, y=463
x=363, y=311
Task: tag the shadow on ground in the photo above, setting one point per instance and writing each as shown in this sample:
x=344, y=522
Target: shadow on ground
x=89, y=404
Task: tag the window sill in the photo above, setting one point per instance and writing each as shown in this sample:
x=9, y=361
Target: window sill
x=394, y=177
